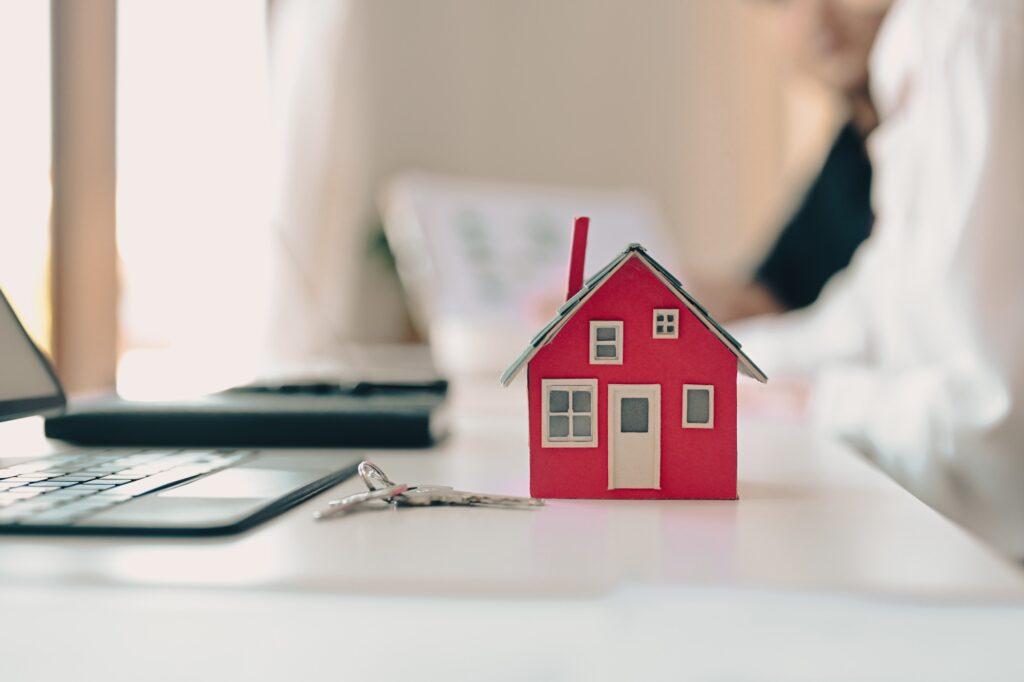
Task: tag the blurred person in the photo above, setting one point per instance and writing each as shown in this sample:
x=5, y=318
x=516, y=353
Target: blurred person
x=829, y=40
x=913, y=353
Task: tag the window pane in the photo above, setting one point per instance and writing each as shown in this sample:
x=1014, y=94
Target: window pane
x=670, y=329
x=581, y=401
x=698, y=406
x=558, y=401
x=661, y=318
x=606, y=350
x=558, y=427
x=606, y=333
x=661, y=329
x=195, y=193
x=581, y=426
x=633, y=415
x=670, y=317
x=25, y=163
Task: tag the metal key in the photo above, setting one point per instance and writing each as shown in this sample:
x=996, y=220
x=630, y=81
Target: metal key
x=425, y=495
x=347, y=504
x=422, y=496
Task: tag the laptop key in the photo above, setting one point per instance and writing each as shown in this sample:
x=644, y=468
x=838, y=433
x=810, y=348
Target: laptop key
x=38, y=504
x=111, y=496
x=23, y=491
x=6, y=499
x=72, y=493
x=26, y=468
x=162, y=480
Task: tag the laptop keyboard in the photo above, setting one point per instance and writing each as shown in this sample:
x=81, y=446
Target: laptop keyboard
x=64, y=489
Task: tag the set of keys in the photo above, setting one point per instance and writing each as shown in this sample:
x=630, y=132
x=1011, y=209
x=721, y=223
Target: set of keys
x=383, y=489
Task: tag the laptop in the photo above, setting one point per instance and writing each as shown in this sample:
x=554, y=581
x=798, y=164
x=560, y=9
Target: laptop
x=137, y=491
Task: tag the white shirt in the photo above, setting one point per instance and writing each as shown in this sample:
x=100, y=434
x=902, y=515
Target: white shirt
x=917, y=349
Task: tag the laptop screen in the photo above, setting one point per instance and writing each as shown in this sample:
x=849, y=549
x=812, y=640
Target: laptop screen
x=27, y=384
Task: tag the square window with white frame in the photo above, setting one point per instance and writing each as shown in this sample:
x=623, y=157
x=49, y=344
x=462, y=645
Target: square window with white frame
x=698, y=406
x=605, y=343
x=569, y=413
x=666, y=323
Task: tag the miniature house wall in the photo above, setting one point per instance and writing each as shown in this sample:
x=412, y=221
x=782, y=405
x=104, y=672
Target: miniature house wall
x=632, y=390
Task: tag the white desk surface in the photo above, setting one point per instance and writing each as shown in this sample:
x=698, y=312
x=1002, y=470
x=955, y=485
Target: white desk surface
x=823, y=569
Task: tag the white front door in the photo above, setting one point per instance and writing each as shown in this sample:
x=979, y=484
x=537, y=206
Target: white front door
x=634, y=436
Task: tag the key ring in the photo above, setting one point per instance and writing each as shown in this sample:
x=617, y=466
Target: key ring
x=373, y=476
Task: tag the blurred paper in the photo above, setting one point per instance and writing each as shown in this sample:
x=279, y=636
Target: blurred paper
x=484, y=264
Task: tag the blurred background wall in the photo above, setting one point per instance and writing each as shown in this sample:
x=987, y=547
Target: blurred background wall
x=253, y=139
x=681, y=99
x=688, y=101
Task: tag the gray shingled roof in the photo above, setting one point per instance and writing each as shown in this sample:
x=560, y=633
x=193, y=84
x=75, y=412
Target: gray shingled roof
x=551, y=329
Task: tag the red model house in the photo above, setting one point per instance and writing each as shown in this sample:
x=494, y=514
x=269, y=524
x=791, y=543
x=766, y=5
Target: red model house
x=632, y=388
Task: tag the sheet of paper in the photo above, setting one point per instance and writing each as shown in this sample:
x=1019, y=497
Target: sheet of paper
x=485, y=263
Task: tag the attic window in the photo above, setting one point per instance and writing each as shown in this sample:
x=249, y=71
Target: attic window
x=569, y=413
x=605, y=343
x=698, y=406
x=666, y=323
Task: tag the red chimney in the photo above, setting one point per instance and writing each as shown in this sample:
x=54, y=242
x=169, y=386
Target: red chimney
x=577, y=256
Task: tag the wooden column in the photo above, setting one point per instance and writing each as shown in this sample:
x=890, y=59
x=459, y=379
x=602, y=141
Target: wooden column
x=84, y=251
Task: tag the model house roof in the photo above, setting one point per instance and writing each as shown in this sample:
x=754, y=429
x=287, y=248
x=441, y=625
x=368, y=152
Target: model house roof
x=569, y=308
